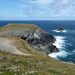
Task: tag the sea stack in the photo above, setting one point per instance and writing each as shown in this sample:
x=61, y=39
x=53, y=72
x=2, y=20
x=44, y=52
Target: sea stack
x=60, y=29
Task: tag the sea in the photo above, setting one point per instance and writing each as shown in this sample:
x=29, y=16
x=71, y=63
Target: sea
x=65, y=41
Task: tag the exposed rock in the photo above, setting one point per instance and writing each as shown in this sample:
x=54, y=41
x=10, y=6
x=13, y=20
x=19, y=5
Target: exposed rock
x=60, y=29
x=39, y=39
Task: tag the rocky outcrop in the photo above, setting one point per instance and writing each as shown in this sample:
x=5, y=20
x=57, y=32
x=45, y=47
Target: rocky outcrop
x=60, y=29
x=39, y=39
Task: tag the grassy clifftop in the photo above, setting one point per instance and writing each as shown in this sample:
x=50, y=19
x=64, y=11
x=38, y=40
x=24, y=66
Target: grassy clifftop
x=38, y=64
x=37, y=37
x=13, y=26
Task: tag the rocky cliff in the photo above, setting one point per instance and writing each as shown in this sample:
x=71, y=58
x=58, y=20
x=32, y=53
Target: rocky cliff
x=37, y=37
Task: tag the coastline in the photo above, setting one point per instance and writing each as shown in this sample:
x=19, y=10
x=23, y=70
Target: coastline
x=34, y=35
x=59, y=43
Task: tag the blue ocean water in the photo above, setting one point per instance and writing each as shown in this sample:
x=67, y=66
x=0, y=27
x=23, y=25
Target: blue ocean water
x=65, y=41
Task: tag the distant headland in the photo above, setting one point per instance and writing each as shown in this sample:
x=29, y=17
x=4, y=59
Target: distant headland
x=35, y=36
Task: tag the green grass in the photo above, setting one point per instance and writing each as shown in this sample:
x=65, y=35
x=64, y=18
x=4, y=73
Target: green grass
x=16, y=26
x=25, y=46
x=29, y=48
x=39, y=64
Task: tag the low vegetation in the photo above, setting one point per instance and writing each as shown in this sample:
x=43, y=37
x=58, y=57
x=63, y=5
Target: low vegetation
x=38, y=64
x=13, y=26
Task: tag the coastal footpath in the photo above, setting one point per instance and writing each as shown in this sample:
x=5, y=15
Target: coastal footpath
x=35, y=36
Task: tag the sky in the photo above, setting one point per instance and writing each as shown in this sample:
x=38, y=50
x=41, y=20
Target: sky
x=37, y=9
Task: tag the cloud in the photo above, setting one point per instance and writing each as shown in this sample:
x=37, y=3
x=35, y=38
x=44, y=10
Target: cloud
x=62, y=8
x=72, y=13
x=67, y=13
x=59, y=5
x=1, y=17
x=49, y=8
x=43, y=1
x=27, y=0
x=30, y=10
x=39, y=1
x=35, y=10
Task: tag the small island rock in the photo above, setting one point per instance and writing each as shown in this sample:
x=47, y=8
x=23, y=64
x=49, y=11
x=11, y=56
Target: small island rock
x=60, y=29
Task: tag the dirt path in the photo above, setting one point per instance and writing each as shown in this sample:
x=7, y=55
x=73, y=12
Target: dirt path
x=6, y=46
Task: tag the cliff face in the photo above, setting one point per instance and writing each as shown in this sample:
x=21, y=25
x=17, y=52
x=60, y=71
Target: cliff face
x=37, y=37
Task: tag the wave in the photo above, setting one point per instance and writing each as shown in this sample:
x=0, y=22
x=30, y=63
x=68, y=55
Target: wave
x=60, y=44
x=59, y=31
x=59, y=54
x=73, y=50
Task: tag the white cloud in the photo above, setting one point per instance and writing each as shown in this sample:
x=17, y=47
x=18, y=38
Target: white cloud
x=58, y=15
x=49, y=8
x=39, y=1
x=31, y=10
x=27, y=0
x=1, y=17
x=59, y=5
x=65, y=1
x=42, y=1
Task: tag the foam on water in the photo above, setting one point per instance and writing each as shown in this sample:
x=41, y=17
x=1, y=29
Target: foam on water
x=60, y=31
x=59, y=54
x=60, y=44
x=73, y=50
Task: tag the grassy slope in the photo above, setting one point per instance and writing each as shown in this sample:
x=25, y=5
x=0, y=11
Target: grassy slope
x=40, y=63
x=14, y=26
